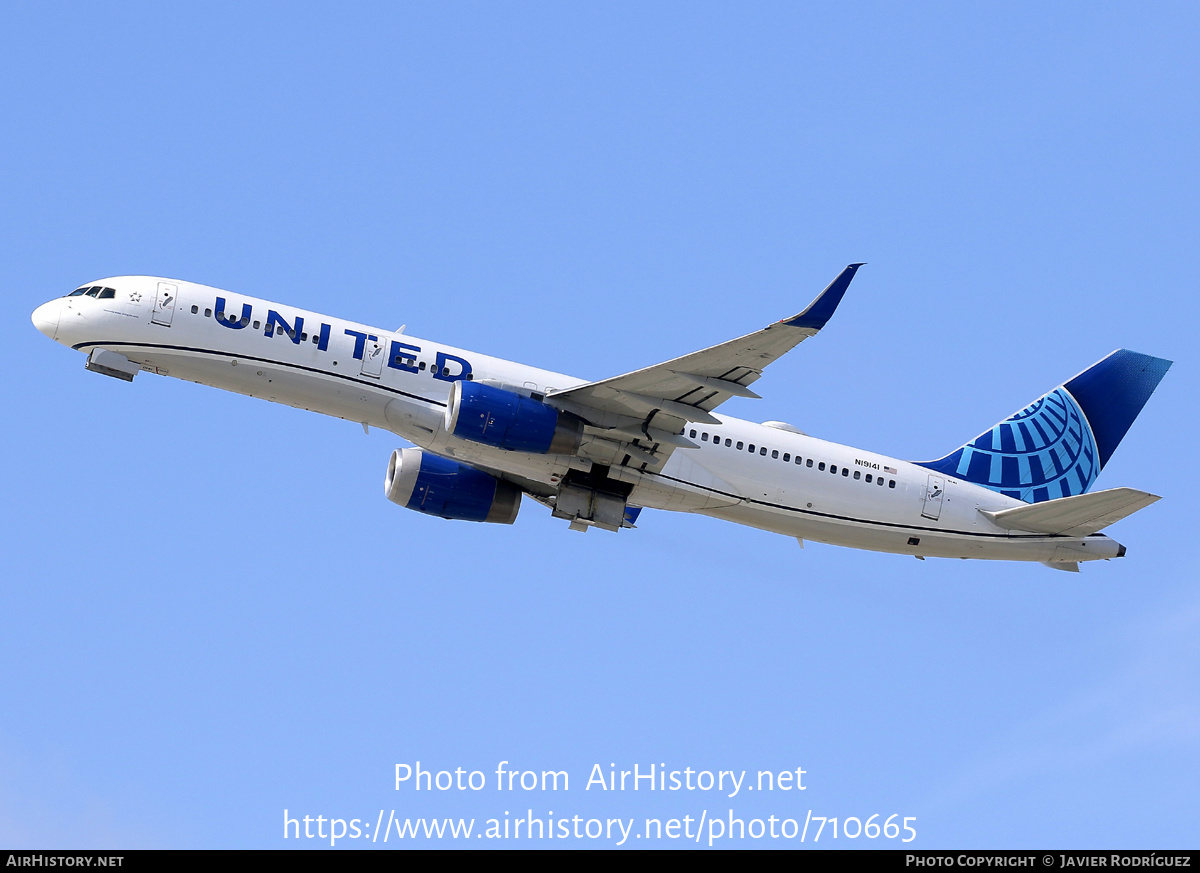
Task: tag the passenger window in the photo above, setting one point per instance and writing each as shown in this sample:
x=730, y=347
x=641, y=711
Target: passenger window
x=256, y=324
x=704, y=437
x=739, y=445
x=763, y=451
x=820, y=466
x=208, y=313
x=787, y=457
x=692, y=434
x=868, y=478
x=422, y=367
x=728, y=441
x=845, y=471
x=857, y=474
x=195, y=309
x=808, y=463
x=891, y=483
x=879, y=481
x=303, y=335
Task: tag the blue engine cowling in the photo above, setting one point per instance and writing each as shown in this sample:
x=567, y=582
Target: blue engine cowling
x=508, y=420
x=449, y=489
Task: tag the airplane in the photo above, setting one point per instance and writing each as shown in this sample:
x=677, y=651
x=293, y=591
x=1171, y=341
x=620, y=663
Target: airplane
x=487, y=431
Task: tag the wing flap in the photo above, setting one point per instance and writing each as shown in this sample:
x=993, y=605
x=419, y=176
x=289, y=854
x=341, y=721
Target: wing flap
x=1081, y=515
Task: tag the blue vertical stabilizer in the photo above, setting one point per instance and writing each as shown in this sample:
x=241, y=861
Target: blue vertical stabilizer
x=1056, y=446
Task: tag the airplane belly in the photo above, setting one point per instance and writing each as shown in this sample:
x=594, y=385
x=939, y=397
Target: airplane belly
x=914, y=539
x=302, y=389
x=683, y=485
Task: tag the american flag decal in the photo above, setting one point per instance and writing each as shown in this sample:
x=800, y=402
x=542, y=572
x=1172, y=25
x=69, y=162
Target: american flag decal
x=889, y=470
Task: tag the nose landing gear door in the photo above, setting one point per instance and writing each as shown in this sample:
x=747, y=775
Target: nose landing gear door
x=164, y=303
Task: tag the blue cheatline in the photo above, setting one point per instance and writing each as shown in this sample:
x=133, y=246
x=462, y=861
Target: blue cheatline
x=1057, y=446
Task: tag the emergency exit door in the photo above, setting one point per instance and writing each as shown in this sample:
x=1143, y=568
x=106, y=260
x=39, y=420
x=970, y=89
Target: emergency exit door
x=934, y=494
x=373, y=354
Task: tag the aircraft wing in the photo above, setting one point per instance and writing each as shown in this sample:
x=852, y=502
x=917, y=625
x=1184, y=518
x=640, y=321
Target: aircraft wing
x=668, y=395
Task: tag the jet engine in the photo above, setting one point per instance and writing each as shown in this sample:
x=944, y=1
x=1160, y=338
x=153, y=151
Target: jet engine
x=508, y=420
x=449, y=489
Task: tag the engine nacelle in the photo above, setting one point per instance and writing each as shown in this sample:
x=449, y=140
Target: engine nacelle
x=508, y=420
x=449, y=489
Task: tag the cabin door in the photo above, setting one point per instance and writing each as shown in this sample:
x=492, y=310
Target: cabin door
x=164, y=303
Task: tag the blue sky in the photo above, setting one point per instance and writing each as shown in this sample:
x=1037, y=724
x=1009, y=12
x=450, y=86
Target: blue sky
x=211, y=613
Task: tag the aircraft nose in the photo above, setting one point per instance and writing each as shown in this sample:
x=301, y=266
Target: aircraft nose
x=45, y=318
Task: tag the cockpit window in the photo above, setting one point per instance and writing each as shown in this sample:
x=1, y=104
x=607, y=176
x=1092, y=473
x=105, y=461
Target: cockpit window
x=97, y=291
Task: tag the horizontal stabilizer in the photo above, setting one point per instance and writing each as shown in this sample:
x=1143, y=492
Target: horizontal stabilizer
x=1080, y=516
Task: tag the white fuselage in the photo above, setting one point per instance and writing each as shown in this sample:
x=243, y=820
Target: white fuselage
x=790, y=483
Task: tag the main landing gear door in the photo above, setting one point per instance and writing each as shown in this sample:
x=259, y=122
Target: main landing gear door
x=164, y=303
x=933, y=497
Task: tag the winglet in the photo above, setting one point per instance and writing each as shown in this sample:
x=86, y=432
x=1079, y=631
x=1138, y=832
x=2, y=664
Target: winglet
x=821, y=310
